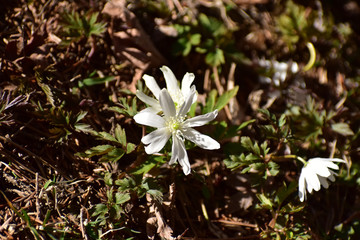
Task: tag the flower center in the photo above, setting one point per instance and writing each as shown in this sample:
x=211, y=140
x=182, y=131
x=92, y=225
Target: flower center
x=173, y=124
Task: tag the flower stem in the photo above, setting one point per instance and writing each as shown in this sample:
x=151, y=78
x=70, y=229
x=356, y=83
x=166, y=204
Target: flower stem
x=312, y=59
x=289, y=157
x=301, y=160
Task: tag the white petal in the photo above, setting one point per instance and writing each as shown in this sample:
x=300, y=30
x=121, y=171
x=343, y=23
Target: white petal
x=302, y=188
x=280, y=66
x=149, y=119
x=170, y=79
x=152, y=85
x=319, y=168
x=199, y=139
x=323, y=182
x=185, y=108
x=153, y=110
x=146, y=99
x=331, y=165
x=337, y=160
x=312, y=180
x=306, y=172
x=264, y=63
x=167, y=104
x=331, y=177
x=186, y=83
x=294, y=67
x=323, y=171
x=179, y=154
x=200, y=120
x=156, y=140
x=329, y=162
x=264, y=79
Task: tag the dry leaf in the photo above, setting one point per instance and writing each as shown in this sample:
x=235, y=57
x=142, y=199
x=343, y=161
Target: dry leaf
x=134, y=36
x=244, y=198
x=156, y=221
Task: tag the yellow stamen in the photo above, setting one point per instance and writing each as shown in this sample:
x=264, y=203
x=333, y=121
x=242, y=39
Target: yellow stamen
x=173, y=124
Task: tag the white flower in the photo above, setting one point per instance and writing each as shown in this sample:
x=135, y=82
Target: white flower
x=280, y=70
x=178, y=95
x=173, y=124
x=315, y=173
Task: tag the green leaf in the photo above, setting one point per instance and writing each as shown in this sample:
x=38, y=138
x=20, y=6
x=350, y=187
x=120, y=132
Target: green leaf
x=125, y=184
x=108, y=179
x=274, y=168
x=126, y=109
x=282, y=120
x=107, y=136
x=146, y=166
x=229, y=163
x=45, y=88
x=130, y=147
x=48, y=93
x=193, y=109
x=85, y=128
x=98, y=150
x=156, y=194
x=205, y=21
x=264, y=148
x=81, y=115
x=245, y=124
x=212, y=26
x=247, y=169
x=256, y=149
x=113, y=156
x=210, y=103
x=48, y=183
x=284, y=191
x=121, y=198
x=100, y=209
x=25, y=217
x=109, y=195
x=265, y=202
x=95, y=81
x=195, y=39
x=342, y=128
x=215, y=58
x=187, y=48
x=251, y=157
x=120, y=135
x=116, y=211
x=47, y=217
x=200, y=50
x=225, y=98
x=289, y=208
x=265, y=112
x=246, y=142
x=76, y=27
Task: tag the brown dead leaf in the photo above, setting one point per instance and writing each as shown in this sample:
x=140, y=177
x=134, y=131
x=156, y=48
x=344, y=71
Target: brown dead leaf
x=156, y=221
x=39, y=56
x=340, y=89
x=36, y=40
x=27, y=53
x=250, y=2
x=254, y=99
x=236, y=112
x=244, y=198
x=132, y=43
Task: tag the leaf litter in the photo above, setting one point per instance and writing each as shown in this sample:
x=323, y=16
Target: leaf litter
x=71, y=165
